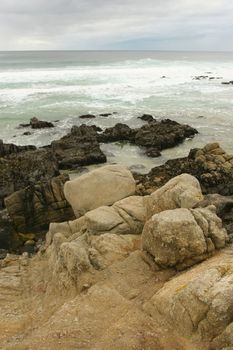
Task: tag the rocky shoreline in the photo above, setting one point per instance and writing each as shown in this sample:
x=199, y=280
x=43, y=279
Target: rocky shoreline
x=114, y=259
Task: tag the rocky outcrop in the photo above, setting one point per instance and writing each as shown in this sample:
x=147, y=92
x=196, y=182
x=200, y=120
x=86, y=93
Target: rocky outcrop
x=79, y=147
x=211, y=165
x=8, y=148
x=22, y=169
x=155, y=136
x=102, y=186
x=182, y=191
x=40, y=124
x=126, y=216
x=182, y=237
x=34, y=207
x=198, y=304
x=147, y=118
x=119, y=132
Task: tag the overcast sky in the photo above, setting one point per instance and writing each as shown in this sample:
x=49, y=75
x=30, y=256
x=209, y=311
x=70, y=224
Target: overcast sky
x=116, y=24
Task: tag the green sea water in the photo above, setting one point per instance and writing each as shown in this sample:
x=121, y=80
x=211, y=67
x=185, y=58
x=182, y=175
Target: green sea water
x=61, y=85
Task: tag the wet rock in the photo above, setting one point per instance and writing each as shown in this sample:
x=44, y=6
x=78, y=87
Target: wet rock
x=9, y=148
x=227, y=82
x=19, y=170
x=40, y=124
x=153, y=152
x=87, y=116
x=147, y=117
x=79, y=147
x=105, y=114
x=27, y=133
x=163, y=134
x=34, y=207
x=96, y=128
x=211, y=166
x=119, y=132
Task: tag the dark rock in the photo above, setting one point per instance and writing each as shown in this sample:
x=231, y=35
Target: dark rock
x=210, y=165
x=119, y=132
x=79, y=147
x=105, y=114
x=24, y=125
x=96, y=128
x=27, y=133
x=87, y=116
x=146, y=117
x=40, y=124
x=7, y=231
x=34, y=207
x=8, y=148
x=19, y=170
x=3, y=253
x=227, y=82
x=153, y=152
x=163, y=134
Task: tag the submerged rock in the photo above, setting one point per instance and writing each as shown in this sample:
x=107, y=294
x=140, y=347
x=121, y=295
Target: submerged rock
x=87, y=116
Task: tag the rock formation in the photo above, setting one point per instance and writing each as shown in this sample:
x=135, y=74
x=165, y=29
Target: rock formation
x=102, y=186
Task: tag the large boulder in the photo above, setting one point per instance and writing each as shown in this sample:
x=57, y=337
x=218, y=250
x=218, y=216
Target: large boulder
x=183, y=191
x=100, y=187
x=182, y=237
x=198, y=304
x=79, y=147
x=34, y=207
x=20, y=170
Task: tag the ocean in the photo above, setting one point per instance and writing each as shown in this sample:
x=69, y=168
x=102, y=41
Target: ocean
x=61, y=85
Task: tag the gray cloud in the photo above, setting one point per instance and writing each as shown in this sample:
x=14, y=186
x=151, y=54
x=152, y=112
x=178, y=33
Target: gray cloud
x=103, y=24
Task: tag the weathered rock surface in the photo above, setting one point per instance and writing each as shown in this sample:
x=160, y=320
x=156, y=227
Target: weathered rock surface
x=182, y=191
x=87, y=116
x=22, y=169
x=212, y=166
x=182, y=237
x=126, y=216
x=79, y=147
x=102, y=186
x=224, y=209
x=34, y=207
x=199, y=303
x=8, y=148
